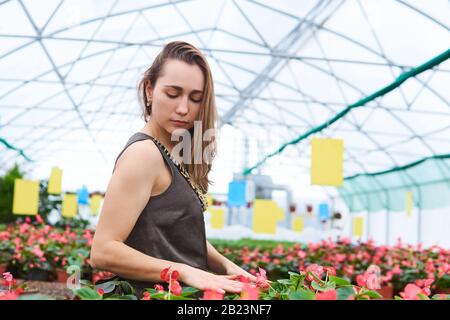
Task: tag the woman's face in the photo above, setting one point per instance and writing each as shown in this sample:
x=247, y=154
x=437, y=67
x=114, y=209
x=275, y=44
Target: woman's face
x=177, y=96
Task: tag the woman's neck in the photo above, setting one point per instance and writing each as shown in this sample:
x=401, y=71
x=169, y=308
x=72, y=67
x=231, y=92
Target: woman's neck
x=162, y=136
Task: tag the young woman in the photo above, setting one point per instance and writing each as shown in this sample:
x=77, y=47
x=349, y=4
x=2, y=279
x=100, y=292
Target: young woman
x=152, y=216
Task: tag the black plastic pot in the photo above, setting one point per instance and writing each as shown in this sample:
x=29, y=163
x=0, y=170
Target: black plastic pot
x=38, y=275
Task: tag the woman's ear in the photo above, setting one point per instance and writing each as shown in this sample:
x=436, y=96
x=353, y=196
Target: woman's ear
x=148, y=90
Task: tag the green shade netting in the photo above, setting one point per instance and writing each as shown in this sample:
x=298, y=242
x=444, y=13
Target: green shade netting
x=427, y=180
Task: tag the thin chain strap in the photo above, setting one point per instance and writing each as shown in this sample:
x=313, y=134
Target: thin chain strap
x=200, y=194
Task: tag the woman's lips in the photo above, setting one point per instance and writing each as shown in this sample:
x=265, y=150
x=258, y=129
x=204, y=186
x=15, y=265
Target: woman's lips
x=179, y=123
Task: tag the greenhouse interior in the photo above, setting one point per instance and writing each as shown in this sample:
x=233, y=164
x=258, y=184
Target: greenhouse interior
x=331, y=174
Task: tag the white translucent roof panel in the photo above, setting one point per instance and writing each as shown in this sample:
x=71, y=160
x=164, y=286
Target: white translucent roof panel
x=69, y=69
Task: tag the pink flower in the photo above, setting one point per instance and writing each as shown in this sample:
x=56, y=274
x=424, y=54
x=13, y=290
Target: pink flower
x=165, y=274
x=261, y=279
x=316, y=269
x=101, y=291
x=424, y=283
x=175, y=287
x=212, y=295
x=411, y=292
x=330, y=271
x=146, y=296
x=397, y=270
x=39, y=219
x=159, y=287
x=24, y=227
x=249, y=292
x=340, y=257
x=349, y=269
x=301, y=254
x=8, y=276
x=361, y=280
x=280, y=248
x=327, y=295
x=37, y=251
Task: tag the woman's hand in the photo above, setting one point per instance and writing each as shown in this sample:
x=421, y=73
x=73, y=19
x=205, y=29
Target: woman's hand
x=234, y=270
x=203, y=280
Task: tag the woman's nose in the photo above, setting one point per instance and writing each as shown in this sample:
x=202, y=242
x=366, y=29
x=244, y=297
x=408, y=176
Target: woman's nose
x=182, y=107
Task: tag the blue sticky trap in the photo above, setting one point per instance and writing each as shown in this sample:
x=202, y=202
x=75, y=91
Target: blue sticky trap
x=236, y=194
x=324, y=211
x=83, y=196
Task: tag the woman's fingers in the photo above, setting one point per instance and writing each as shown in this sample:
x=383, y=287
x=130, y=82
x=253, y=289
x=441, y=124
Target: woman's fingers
x=232, y=288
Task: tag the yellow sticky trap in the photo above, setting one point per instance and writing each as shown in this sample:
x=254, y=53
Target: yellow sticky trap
x=280, y=213
x=358, y=226
x=94, y=204
x=26, y=197
x=298, y=224
x=54, y=183
x=217, y=218
x=210, y=200
x=409, y=203
x=327, y=157
x=265, y=216
x=70, y=205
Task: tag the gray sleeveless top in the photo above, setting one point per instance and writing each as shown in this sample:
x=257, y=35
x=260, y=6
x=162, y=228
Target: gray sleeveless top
x=171, y=226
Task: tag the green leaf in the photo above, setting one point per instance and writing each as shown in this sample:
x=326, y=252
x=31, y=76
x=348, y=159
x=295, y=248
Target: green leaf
x=126, y=287
x=159, y=295
x=373, y=294
x=231, y=296
x=330, y=285
x=187, y=291
x=124, y=297
x=422, y=296
x=340, y=281
x=174, y=297
x=151, y=290
x=441, y=296
x=344, y=293
x=87, y=294
x=107, y=287
x=397, y=298
x=317, y=286
x=313, y=275
x=302, y=295
x=87, y=283
x=285, y=281
x=293, y=274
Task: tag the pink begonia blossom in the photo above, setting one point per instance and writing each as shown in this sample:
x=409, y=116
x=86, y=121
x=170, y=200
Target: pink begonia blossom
x=327, y=295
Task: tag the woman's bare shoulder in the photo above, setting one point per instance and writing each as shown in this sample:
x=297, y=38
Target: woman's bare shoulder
x=142, y=157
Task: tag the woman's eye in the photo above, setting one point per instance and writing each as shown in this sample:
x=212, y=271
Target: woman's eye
x=196, y=100
x=173, y=96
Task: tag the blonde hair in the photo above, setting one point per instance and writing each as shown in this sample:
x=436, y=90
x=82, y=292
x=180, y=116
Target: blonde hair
x=183, y=51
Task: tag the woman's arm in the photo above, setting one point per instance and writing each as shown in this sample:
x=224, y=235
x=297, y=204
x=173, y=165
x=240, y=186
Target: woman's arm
x=127, y=194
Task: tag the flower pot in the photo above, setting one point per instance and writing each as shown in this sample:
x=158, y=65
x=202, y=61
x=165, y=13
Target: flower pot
x=61, y=275
x=387, y=292
x=38, y=275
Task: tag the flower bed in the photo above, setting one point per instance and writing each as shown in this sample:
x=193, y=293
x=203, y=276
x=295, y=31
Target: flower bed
x=33, y=250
